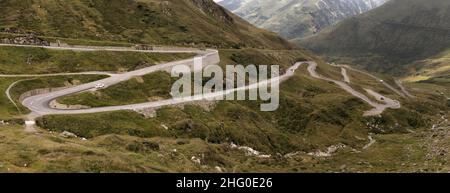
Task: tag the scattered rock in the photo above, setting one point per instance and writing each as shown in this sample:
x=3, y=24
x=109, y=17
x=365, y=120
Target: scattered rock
x=67, y=134
x=196, y=160
x=147, y=113
x=219, y=169
x=139, y=79
x=249, y=151
x=329, y=152
x=28, y=39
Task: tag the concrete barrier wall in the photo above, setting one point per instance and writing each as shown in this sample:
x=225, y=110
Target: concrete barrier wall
x=38, y=92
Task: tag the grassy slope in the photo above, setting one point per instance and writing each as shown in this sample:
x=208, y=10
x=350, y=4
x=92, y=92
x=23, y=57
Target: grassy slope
x=7, y=110
x=150, y=87
x=51, y=153
x=435, y=70
x=433, y=77
x=313, y=114
x=48, y=152
x=170, y=22
x=20, y=60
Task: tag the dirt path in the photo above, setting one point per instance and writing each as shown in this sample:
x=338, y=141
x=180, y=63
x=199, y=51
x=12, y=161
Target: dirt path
x=404, y=90
x=374, y=77
x=345, y=75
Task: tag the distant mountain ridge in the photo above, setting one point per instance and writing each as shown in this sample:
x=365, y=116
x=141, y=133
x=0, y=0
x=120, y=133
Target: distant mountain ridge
x=298, y=18
x=389, y=38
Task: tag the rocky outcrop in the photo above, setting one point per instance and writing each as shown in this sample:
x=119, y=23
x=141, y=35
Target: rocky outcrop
x=298, y=18
x=25, y=40
x=211, y=8
x=11, y=30
x=67, y=134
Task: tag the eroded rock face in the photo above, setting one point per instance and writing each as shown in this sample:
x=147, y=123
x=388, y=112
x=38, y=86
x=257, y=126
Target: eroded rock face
x=29, y=39
x=298, y=18
x=211, y=8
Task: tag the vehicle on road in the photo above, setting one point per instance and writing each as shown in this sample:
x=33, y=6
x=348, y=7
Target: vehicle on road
x=100, y=86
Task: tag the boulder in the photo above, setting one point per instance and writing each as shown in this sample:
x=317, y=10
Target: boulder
x=67, y=134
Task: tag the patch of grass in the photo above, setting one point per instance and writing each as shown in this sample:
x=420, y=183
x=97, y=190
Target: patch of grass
x=125, y=123
x=111, y=153
x=22, y=60
x=7, y=109
x=137, y=90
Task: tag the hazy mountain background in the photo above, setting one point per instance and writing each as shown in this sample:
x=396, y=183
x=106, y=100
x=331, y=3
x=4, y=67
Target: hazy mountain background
x=298, y=18
x=390, y=38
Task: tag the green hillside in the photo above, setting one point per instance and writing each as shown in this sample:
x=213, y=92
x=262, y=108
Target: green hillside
x=167, y=22
x=25, y=60
x=314, y=115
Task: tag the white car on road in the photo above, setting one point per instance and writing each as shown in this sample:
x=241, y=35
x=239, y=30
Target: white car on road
x=100, y=86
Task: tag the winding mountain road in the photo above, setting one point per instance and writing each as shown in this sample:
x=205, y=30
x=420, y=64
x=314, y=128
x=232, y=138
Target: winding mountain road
x=40, y=104
x=402, y=93
x=378, y=108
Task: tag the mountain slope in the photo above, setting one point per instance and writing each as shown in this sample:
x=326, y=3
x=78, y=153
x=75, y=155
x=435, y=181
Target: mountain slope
x=298, y=18
x=388, y=38
x=315, y=117
x=185, y=22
